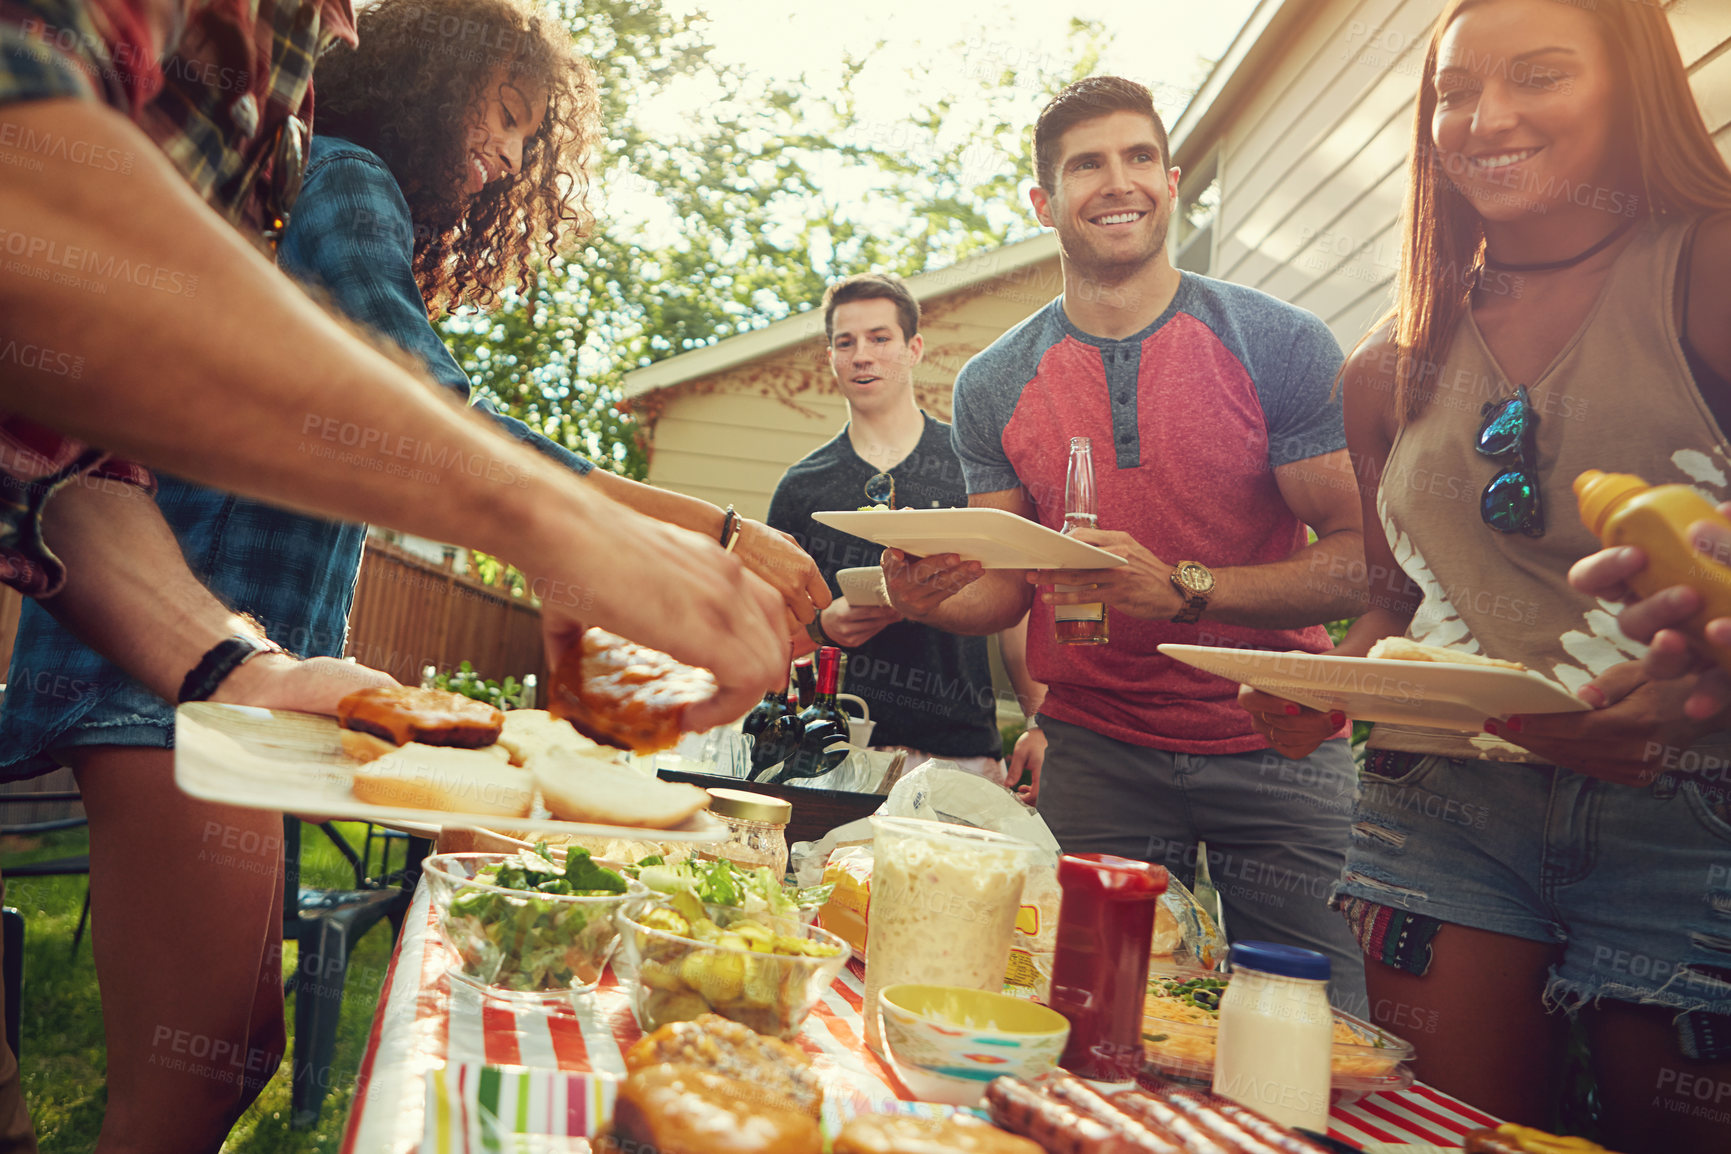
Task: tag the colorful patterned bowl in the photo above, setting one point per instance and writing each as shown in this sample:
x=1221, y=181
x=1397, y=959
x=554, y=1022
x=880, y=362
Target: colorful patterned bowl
x=947, y=1042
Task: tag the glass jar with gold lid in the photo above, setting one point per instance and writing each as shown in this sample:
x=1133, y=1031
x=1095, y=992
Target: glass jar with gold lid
x=757, y=829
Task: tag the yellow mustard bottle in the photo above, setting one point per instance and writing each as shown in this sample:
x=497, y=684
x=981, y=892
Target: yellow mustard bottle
x=1622, y=509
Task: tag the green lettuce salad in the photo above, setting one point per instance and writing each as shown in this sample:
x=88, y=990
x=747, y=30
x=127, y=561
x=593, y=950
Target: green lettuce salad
x=523, y=943
x=722, y=883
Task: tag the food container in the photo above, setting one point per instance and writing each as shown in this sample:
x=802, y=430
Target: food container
x=1273, y=1045
x=1364, y=1059
x=756, y=829
x=944, y=902
x=675, y=978
x=946, y=1043
x=1100, y=965
x=522, y=944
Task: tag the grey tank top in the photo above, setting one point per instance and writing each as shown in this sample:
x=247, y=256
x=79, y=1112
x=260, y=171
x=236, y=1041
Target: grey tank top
x=1619, y=397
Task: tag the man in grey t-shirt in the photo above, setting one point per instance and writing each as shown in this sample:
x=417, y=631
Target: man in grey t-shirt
x=929, y=691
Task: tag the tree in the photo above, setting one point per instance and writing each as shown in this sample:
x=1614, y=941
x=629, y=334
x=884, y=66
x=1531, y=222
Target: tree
x=757, y=225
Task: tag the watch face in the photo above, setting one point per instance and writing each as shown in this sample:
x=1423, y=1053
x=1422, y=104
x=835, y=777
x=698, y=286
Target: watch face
x=1195, y=578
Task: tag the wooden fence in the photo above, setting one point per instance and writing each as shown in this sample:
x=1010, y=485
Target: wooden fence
x=408, y=613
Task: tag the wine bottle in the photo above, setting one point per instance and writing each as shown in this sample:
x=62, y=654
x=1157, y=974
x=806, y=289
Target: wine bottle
x=823, y=725
x=1083, y=624
x=778, y=732
x=805, y=672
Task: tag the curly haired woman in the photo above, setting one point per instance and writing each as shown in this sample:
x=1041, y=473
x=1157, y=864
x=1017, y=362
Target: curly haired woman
x=454, y=148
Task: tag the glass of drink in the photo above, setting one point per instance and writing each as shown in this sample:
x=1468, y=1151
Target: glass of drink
x=944, y=900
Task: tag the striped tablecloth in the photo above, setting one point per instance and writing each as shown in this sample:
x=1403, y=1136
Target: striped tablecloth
x=429, y=1033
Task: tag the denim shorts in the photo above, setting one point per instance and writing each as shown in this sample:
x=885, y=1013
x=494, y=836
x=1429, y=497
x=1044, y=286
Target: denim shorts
x=1634, y=884
x=294, y=574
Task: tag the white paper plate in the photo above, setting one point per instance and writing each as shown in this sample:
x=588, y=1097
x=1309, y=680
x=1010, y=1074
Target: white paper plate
x=1425, y=693
x=293, y=762
x=863, y=586
x=996, y=538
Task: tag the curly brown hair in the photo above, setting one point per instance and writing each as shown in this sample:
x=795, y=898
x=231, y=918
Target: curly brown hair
x=409, y=91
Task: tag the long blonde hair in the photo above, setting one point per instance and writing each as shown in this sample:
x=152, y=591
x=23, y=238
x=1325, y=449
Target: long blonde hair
x=1682, y=174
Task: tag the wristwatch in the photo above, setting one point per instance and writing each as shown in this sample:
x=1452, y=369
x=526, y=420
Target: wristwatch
x=1032, y=722
x=1195, y=584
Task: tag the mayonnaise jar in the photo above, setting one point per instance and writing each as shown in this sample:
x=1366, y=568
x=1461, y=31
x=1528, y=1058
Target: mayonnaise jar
x=1276, y=1036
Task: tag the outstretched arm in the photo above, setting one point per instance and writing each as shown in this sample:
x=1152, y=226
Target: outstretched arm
x=256, y=390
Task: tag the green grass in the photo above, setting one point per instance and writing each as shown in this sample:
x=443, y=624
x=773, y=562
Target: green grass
x=63, y=1065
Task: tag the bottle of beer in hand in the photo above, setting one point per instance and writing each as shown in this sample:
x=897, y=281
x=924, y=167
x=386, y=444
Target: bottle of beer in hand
x=1079, y=624
x=774, y=727
x=823, y=723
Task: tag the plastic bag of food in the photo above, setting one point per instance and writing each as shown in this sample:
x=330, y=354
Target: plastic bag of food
x=844, y=913
x=1185, y=936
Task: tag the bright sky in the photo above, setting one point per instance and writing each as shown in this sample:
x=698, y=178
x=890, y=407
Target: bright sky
x=1162, y=43
x=935, y=50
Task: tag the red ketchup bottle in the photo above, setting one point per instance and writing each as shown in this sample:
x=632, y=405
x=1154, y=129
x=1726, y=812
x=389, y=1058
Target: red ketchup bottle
x=1100, y=962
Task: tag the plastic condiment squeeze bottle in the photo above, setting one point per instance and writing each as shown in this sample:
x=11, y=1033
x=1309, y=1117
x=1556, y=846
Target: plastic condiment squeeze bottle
x=1100, y=961
x=1622, y=509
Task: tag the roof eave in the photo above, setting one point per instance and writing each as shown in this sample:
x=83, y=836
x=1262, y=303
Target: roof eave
x=1264, y=36
x=785, y=334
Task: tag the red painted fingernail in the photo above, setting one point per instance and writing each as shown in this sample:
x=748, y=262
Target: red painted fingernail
x=1514, y=724
x=1292, y=710
x=1337, y=719
x=1491, y=728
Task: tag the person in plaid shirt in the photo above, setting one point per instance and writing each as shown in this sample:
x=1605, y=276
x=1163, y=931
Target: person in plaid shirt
x=139, y=327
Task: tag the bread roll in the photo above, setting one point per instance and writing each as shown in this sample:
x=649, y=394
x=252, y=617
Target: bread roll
x=579, y=788
x=366, y=746
x=1402, y=649
x=528, y=732
x=1512, y=1139
x=457, y=780
x=781, y=1071
x=883, y=1134
x=686, y=1110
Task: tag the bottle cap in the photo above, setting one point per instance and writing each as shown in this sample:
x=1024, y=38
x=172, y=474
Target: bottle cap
x=1283, y=961
x=1117, y=878
x=743, y=806
x=1596, y=492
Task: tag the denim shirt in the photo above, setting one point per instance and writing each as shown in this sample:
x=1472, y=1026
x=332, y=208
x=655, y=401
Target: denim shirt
x=351, y=236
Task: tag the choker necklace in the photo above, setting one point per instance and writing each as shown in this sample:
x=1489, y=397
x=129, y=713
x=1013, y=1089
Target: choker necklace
x=1571, y=262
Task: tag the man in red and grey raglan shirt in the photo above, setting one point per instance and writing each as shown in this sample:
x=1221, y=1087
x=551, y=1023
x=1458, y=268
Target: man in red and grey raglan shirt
x=1216, y=440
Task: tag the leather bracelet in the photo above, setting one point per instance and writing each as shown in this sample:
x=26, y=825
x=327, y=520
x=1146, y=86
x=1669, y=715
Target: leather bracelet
x=814, y=630
x=730, y=528
x=219, y=661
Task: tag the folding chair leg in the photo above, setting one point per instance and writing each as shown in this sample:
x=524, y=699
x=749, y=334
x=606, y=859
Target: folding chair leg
x=83, y=920
x=324, y=958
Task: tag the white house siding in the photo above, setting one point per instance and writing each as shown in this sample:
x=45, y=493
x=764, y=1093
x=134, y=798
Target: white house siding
x=1313, y=166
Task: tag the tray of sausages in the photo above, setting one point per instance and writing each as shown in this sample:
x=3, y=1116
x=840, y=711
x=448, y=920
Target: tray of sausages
x=1066, y=1115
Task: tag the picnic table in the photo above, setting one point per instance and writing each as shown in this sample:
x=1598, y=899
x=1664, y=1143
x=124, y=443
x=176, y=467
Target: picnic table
x=438, y=1048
